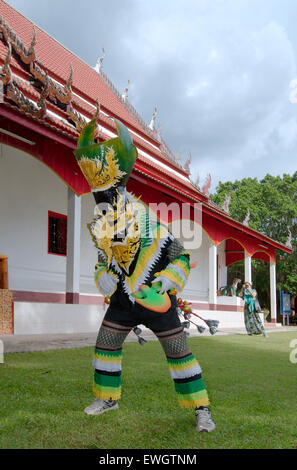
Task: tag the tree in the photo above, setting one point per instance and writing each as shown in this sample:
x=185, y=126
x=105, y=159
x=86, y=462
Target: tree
x=272, y=203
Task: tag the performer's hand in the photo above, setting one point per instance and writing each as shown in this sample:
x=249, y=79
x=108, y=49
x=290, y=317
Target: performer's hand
x=107, y=283
x=166, y=284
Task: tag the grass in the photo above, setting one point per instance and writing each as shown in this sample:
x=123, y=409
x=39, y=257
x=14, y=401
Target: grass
x=251, y=383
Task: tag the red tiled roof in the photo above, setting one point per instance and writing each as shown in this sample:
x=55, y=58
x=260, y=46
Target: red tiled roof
x=57, y=59
x=87, y=83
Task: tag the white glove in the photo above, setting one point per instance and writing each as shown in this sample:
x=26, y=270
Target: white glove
x=107, y=283
x=167, y=284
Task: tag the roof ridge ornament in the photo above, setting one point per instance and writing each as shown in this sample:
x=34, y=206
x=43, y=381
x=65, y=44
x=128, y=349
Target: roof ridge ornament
x=31, y=49
x=206, y=186
x=6, y=76
x=67, y=86
x=76, y=118
x=125, y=92
x=27, y=55
x=197, y=181
x=226, y=203
x=153, y=119
x=97, y=110
x=289, y=240
x=247, y=218
x=187, y=163
x=17, y=96
x=99, y=63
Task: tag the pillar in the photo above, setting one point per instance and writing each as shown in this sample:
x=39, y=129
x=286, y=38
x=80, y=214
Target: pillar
x=247, y=267
x=273, y=308
x=73, y=247
x=212, y=274
x=222, y=268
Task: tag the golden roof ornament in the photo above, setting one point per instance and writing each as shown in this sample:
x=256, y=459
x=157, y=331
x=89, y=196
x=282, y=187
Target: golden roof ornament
x=5, y=76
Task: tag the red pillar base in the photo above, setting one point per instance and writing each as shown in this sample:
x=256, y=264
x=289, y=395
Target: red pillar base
x=72, y=298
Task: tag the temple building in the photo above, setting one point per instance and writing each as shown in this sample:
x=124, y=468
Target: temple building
x=48, y=95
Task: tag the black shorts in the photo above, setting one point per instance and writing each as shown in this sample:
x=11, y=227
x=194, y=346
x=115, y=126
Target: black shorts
x=138, y=315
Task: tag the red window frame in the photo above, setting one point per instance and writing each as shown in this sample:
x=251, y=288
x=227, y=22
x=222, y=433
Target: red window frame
x=63, y=219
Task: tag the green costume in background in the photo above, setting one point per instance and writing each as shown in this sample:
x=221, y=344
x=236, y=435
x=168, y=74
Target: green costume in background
x=252, y=319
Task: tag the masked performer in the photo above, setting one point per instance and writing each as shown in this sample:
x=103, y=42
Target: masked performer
x=139, y=264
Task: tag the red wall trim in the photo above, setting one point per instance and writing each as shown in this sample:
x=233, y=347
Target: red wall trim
x=46, y=297
x=216, y=307
x=12, y=318
x=56, y=297
x=83, y=299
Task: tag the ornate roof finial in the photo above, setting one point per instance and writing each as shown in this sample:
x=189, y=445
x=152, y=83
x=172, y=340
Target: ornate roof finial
x=179, y=156
x=97, y=110
x=31, y=50
x=29, y=56
x=206, y=186
x=197, y=181
x=153, y=120
x=68, y=84
x=227, y=201
x=125, y=92
x=187, y=163
x=289, y=240
x=5, y=76
x=247, y=218
x=42, y=100
x=159, y=133
x=99, y=62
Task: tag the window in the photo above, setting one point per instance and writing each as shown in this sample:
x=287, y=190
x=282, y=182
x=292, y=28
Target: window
x=57, y=233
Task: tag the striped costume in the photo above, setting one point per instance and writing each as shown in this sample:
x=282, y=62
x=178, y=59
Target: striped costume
x=123, y=314
x=133, y=252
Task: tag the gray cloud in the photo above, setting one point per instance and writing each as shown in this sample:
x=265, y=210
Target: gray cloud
x=218, y=71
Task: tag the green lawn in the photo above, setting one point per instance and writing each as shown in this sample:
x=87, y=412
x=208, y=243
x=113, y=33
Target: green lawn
x=250, y=380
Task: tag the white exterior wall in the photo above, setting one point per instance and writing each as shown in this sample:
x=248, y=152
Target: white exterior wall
x=42, y=318
x=88, y=252
x=197, y=285
x=28, y=190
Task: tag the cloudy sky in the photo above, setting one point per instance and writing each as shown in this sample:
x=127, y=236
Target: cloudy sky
x=219, y=72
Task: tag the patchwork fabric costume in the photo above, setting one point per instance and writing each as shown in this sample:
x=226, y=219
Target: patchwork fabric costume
x=141, y=267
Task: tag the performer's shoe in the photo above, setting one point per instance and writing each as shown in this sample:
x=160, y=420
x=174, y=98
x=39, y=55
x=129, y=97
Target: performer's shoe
x=100, y=406
x=204, y=422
